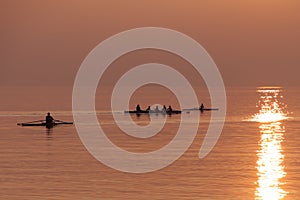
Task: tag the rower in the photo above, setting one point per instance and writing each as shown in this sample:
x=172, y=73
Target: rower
x=169, y=109
x=201, y=107
x=148, y=109
x=49, y=119
x=138, y=108
x=156, y=110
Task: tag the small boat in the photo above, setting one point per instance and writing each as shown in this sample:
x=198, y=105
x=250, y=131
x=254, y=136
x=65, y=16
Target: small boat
x=201, y=109
x=43, y=123
x=136, y=112
x=152, y=112
x=169, y=112
x=208, y=109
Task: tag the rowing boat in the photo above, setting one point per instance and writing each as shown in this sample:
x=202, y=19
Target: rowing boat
x=152, y=112
x=136, y=112
x=208, y=109
x=169, y=112
x=43, y=123
x=201, y=109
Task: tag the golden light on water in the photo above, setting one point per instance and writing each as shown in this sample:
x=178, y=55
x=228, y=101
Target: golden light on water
x=271, y=106
x=270, y=168
x=270, y=155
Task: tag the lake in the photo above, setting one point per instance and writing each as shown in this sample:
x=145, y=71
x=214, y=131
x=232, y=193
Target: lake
x=253, y=159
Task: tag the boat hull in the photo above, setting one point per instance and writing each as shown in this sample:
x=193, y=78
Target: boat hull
x=136, y=112
x=203, y=109
x=47, y=125
x=152, y=112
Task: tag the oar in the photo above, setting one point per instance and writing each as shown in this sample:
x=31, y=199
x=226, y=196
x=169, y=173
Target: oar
x=29, y=122
x=56, y=120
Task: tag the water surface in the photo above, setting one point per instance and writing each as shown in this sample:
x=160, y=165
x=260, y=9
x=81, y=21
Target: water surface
x=37, y=163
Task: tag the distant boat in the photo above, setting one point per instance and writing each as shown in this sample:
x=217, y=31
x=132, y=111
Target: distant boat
x=201, y=109
x=152, y=112
x=136, y=112
x=169, y=112
x=43, y=123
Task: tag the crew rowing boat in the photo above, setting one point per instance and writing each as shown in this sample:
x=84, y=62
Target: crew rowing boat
x=43, y=123
x=136, y=112
x=201, y=109
x=152, y=112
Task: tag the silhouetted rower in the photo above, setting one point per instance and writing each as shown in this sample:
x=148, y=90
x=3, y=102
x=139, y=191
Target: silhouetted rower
x=169, y=109
x=148, y=109
x=202, y=107
x=49, y=120
x=138, y=108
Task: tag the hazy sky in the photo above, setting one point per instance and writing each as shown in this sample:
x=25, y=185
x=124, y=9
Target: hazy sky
x=255, y=42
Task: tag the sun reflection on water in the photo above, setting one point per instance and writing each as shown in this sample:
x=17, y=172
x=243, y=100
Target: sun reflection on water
x=271, y=106
x=270, y=166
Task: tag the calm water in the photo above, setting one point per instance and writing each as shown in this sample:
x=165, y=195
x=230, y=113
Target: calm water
x=252, y=160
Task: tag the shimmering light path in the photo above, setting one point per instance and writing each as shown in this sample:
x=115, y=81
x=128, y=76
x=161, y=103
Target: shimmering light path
x=270, y=156
x=271, y=106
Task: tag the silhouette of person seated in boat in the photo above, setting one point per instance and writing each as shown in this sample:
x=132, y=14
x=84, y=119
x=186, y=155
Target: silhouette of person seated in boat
x=138, y=108
x=49, y=120
x=148, y=109
x=169, y=109
x=164, y=109
x=156, y=110
x=201, y=107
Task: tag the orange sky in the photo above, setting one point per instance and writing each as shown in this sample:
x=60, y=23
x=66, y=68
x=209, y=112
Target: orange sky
x=253, y=42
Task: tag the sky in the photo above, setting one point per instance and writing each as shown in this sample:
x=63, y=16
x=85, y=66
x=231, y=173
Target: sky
x=253, y=43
